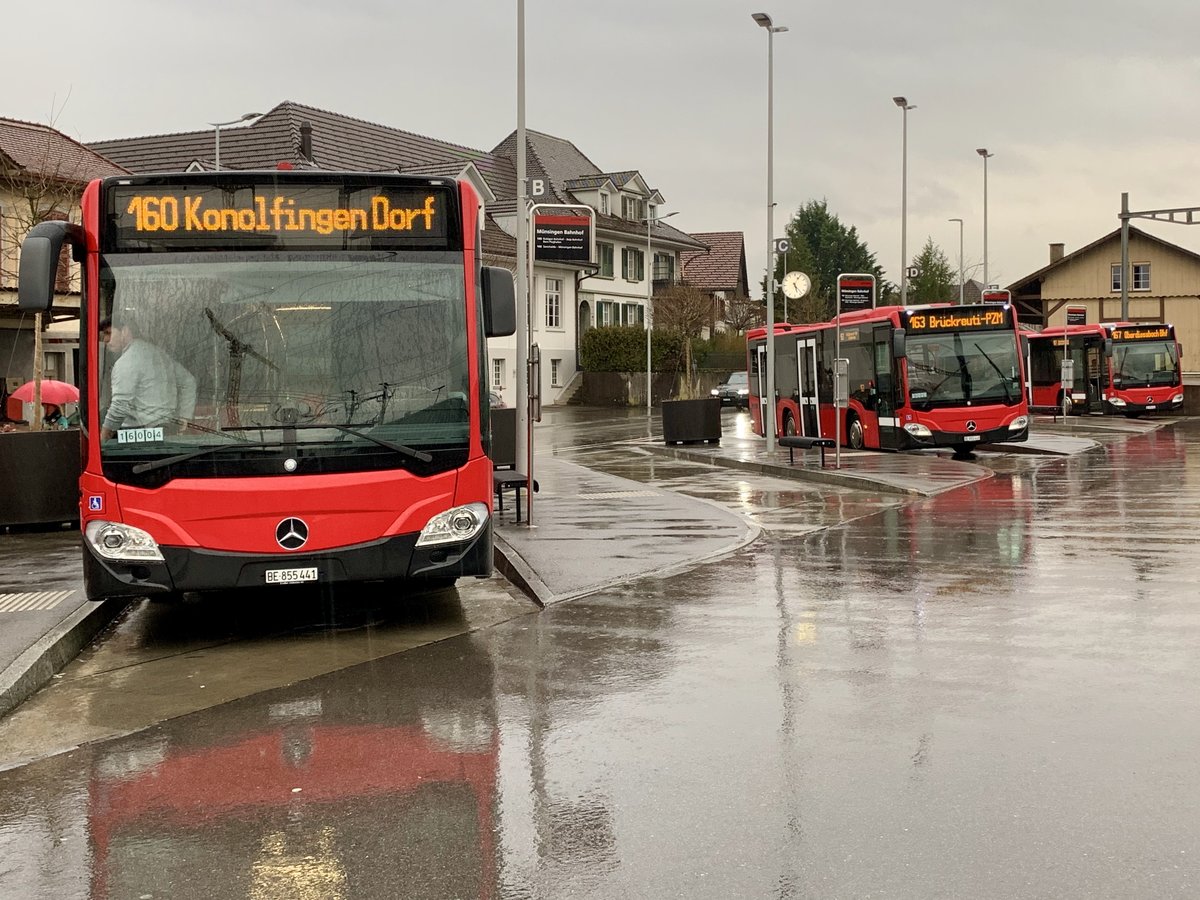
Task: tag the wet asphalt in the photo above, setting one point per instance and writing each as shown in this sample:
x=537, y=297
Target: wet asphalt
x=988, y=693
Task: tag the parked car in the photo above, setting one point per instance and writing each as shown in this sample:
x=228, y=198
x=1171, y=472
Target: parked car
x=734, y=390
x=495, y=400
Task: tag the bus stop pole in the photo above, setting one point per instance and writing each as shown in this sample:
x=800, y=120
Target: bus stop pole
x=837, y=400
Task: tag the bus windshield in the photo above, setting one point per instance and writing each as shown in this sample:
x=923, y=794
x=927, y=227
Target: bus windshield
x=1144, y=363
x=956, y=367
x=318, y=353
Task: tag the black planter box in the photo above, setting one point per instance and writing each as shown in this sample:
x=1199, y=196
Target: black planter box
x=692, y=421
x=39, y=477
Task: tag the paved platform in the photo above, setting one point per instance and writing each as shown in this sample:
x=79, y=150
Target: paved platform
x=590, y=529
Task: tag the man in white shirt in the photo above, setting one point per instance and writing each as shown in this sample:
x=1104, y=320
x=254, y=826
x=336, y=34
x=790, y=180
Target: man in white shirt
x=149, y=389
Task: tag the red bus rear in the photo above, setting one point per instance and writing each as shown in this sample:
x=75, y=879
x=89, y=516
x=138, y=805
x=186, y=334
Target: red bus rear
x=281, y=378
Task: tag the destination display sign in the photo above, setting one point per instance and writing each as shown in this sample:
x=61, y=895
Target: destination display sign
x=281, y=213
x=562, y=238
x=958, y=318
x=1143, y=333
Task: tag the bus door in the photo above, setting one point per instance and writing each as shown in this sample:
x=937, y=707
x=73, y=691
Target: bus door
x=1097, y=373
x=810, y=397
x=886, y=388
x=765, y=394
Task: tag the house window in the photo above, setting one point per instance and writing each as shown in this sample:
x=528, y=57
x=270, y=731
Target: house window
x=632, y=262
x=555, y=371
x=604, y=312
x=554, y=303
x=1140, y=280
x=605, y=254
x=603, y=204
x=497, y=373
x=633, y=208
x=664, y=267
x=633, y=314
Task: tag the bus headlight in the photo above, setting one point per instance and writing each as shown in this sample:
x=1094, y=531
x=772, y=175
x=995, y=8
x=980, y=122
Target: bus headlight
x=1178, y=398
x=454, y=525
x=916, y=429
x=1018, y=423
x=1116, y=401
x=112, y=540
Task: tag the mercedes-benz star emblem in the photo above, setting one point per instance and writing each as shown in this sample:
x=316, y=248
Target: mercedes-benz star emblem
x=1149, y=399
x=971, y=426
x=292, y=534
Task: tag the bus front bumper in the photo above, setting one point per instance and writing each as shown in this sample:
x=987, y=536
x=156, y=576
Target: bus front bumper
x=194, y=569
x=1117, y=405
x=1002, y=435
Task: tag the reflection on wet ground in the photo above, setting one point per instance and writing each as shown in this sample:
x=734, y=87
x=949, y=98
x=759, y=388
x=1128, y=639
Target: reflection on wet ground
x=987, y=693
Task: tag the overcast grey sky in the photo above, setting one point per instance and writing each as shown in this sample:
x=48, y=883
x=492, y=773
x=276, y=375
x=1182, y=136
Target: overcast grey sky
x=1078, y=99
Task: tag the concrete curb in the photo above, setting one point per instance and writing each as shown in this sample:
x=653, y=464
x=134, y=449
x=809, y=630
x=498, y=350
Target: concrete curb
x=825, y=476
x=34, y=668
x=512, y=565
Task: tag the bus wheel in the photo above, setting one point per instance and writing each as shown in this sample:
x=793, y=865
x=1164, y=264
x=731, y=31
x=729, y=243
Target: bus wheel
x=1066, y=404
x=789, y=424
x=854, y=432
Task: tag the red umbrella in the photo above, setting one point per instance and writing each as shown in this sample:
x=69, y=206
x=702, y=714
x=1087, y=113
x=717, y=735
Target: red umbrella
x=56, y=392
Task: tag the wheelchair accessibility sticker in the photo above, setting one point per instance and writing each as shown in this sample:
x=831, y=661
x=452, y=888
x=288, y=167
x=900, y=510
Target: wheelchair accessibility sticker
x=95, y=503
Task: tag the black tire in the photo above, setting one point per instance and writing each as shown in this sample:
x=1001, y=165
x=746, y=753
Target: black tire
x=854, y=432
x=789, y=424
x=1066, y=404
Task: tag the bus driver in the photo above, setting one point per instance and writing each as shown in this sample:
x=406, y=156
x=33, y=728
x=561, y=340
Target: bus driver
x=149, y=389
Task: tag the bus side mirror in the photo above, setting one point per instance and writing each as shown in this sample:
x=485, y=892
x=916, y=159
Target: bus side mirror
x=899, y=344
x=40, y=252
x=1108, y=347
x=499, y=302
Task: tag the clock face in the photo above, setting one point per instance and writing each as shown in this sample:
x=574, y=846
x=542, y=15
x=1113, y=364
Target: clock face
x=795, y=285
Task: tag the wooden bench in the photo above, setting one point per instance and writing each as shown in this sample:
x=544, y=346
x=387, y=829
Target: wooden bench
x=803, y=442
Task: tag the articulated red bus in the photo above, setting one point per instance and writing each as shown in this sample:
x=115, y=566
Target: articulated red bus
x=283, y=378
x=929, y=376
x=1120, y=367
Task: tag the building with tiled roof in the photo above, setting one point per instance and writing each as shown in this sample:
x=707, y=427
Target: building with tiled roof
x=42, y=176
x=719, y=271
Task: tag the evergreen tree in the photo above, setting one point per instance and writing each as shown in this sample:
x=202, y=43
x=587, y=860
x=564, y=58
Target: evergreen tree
x=823, y=247
x=936, y=281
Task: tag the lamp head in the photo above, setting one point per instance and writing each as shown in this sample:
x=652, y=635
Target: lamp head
x=982, y=151
x=248, y=116
x=762, y=19
x=900, y=101
x=959, y=221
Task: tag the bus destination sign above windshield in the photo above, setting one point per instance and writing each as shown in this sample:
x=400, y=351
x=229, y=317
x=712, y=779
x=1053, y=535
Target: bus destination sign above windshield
x=282, y=215
x=1142, y=333
x=928, y=321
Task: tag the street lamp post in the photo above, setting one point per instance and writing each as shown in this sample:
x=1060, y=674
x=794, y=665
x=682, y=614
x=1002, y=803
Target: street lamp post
x=982, y=151
x=960, y=259
x=217, y=126
x=764, y=21
x=905, y=106
x=649, y=273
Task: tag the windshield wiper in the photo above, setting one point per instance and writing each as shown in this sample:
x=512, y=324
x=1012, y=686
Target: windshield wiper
x=142, y=468
x=410, y=452
x=1003, y=381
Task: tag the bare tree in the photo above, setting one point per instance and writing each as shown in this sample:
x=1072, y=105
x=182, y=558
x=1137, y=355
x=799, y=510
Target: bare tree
x=742, y=313
x=683, y=308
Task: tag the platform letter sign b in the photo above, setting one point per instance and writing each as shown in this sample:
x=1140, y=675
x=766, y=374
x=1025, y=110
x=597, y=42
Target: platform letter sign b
x=537, y=188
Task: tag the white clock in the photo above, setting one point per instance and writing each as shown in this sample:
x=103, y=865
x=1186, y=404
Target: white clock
x=795, y=285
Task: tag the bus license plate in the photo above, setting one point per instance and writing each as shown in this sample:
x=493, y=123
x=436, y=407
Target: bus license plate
x=291, y=576
x=971, y=437
x=1151, y=406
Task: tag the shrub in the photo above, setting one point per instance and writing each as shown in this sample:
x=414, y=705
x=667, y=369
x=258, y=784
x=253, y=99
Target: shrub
x=622, y=348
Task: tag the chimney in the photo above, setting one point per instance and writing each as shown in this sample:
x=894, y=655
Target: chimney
x=1056, y=252
x=306, y=144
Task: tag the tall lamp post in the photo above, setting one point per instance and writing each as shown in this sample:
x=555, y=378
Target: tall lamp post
x=217, y=126
x=764, y=20
x=982, y=151
x=960, y=259
x=650, y=220
x=905, y=106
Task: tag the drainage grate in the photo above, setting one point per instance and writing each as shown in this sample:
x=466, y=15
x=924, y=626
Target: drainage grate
x=33, y=600
x=611, y=494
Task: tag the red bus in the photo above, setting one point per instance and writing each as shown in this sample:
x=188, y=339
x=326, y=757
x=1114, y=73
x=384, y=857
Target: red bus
x=919, y=377
x=283, y=378
x=1120, y=367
